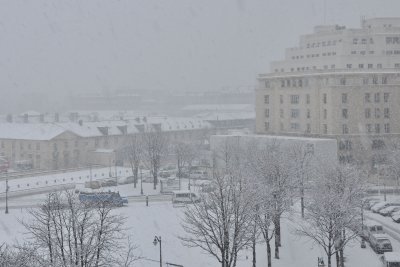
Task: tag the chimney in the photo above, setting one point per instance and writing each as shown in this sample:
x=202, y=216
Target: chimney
x=9, y=118
x=26, y=118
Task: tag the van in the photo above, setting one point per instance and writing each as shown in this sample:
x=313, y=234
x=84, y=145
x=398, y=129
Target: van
x=185, y=197
x=370, y=228
x=380, y=243
x=391, y=259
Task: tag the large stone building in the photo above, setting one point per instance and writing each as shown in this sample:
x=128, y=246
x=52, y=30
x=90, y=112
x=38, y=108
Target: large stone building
x=338, y=83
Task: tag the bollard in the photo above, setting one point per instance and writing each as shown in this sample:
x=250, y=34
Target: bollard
x=147, y=201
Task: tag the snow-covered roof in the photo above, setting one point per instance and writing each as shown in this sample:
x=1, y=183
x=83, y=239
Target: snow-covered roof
x=237, y=107
x=29, y=131
x=48, y=131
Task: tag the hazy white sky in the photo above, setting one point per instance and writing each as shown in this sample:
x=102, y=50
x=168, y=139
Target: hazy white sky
x=80, y=45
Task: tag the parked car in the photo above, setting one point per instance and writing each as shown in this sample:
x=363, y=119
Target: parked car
x=93, y=184
x=111, y=198
x=389, y=210
x=381, y=205
x=380, y=243
x=184, y=197
x=390, y=259
x=108, y=182
x=396, y=216
x=371, y=203
x=371, y=228
x=126, y=180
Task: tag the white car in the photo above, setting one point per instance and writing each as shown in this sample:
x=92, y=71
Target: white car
x=390, y=259
x=389, y=210
x=381, y=205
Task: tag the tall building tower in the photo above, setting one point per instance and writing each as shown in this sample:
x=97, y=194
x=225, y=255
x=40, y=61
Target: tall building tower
x=339, y=83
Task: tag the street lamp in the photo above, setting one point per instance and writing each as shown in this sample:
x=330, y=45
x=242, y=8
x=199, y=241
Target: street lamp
x=7, y=188
x=157, y=239
x=141, y=181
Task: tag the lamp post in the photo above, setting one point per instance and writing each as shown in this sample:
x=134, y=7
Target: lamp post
x=7, y=192
x=157, y=239
x=141, y=181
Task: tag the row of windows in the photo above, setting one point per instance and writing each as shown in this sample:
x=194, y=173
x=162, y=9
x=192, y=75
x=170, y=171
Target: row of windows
x=362, y=52
x=363, y=41
x=377, y=113
x=315, y=55
x=376, y=128
x=392, y=52
x=377, y=97
x=393, y=40
x=325, y=43
x=294, y=99
x=362, y=66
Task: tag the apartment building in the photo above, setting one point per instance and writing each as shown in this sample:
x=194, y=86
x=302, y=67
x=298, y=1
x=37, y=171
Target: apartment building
x=338, y=83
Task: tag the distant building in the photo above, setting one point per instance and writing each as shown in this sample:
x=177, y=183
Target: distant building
x=338, y=83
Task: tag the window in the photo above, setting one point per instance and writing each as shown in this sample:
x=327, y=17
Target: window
x=377, y=113
x=307, y=99
x=325, y=114
x=363, y=52
x=288, y=83
x=282, y=83
x=324, y=98
x=386, y=97
x=364, y=41
x=345, y=129
x=369, y=128
x=294, y=99
x=300, y=83
x=345, y=113
x=308, y=130
x=295, y=113
x=370, y=66
x=267, y=84
x=367, y=113
x=308, y=114
x=378, y=144
x=384, y=80
x=379, y=66
x=375, y=80
x=367, y=98
x=342, y=81
x=344, y=98
x=281, y=99
x=266, y=126
x=355, y=41
x=349, y=66
x=266, y=99
x=386, y=114
x=38, y=146
x=377, y=128
x=397, y=65
x=294, y=126
x=387, y=128
x=325, y=128
x=365, y=81
x=353, y=52
x=281, y=113
x=360, y=66
x=266, y=113
x=376, y=97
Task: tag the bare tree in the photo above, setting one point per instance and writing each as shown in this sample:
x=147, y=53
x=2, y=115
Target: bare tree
x=155, y=147
x=221, y=223
x=185, y=154
x=68, y=233
x=134, y=155
x=332, y=218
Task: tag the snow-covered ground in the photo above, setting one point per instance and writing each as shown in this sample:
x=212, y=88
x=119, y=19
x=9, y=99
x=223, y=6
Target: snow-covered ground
x=161, y=218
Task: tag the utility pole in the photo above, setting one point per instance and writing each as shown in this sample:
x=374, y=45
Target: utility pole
x=157, y=239
x=141, y=182
x=7, y=192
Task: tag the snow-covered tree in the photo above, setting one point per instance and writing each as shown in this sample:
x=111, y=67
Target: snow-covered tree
x=134, y=154
x=185, y=153
x=221, y=224
x=155, y=148
x=332, y=217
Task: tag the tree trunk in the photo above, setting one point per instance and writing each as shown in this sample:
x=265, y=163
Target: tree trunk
x=269, y=254
x=135, y=176
x=254, y=246
x=302, y=202
x=341, y=256
x=278, y=231
x=329, y=261
x=337, y=259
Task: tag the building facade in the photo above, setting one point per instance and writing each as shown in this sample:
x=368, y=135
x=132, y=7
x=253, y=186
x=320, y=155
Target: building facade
x=338, y=83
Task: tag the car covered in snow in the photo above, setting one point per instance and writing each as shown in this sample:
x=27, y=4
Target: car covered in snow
x=184, y=197
x=390, y=259
x=396, y=216
x=380, y=243
x=389, y=210
x=381, y=205
x=370, y=228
